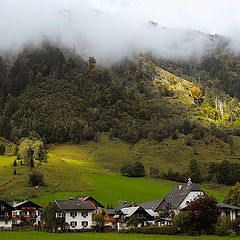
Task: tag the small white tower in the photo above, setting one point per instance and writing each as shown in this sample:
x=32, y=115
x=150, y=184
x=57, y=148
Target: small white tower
x=189, y=182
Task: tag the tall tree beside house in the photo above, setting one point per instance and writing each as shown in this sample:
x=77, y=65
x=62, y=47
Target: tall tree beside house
x=167, y=212
x=233, y=196
x=194, y=171
x=203, y=213
x=98, y=220
x=49, y=217
x=133, y=222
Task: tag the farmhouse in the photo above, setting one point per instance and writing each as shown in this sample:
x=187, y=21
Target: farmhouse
x=94, y=202
x=143, y=217
x=5, y=215
x=180, y=196
x=77, y=214
x=110, y=213
x=26, y=213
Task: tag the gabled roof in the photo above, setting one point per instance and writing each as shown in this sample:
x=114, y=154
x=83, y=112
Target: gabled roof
x=176, y=196
x=153, y=205
x=74, y=205
x=110, y=211
x=227, y=206
x=8, y=206
x=26, y=203
x=151, y=212
x=89, y=198
x=128, y=212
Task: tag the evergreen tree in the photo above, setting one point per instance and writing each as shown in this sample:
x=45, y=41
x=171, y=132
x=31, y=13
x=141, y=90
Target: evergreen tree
x=194, y=171
x=225, y=173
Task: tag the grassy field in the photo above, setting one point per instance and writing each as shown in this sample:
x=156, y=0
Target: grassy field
x=93, y=169
x=98, y=236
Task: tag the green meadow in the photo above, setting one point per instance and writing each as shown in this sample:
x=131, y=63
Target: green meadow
x=92, y=168
x=99, y=236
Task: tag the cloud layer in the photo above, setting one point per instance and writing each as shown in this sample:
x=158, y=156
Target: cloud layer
x=111, y=29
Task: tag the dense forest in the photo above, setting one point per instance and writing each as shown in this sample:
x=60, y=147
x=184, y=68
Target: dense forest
x=53, y=94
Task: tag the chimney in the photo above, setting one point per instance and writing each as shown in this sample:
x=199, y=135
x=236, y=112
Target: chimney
x=70, y=198
x=179, y=187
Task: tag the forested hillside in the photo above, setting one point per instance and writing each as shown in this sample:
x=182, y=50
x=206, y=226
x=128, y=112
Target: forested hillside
x=53, y=94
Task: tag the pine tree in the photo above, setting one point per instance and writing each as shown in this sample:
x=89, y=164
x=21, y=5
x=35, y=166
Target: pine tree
x=194, y=171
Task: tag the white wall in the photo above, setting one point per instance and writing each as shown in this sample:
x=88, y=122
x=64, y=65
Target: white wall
x=191, y=196
x=79, y=218
x=8, y=225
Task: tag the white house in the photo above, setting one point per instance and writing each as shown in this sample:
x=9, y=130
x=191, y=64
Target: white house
x=180, y=196
x=5, y=215
x=77, y=214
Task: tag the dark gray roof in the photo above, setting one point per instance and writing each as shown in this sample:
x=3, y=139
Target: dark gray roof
x=74, y=205
x=153, y=205
x=114, y=210
x=223, y=205
x=176, y=196
x=110, y=211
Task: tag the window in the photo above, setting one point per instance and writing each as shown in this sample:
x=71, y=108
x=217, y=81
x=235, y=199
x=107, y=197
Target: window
x=58, y=215
x=14, y=221
x=84, y=223
x=73, y=224
x=73, y=214
x=14, y=213
x=6, y=214
x=84, y=214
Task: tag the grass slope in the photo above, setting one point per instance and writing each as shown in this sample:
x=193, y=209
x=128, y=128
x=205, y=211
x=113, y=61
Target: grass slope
x=73, y=170
x=100, y=236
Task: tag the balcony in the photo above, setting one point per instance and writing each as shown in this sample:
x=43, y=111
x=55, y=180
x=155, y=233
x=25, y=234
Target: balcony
x=24, y=216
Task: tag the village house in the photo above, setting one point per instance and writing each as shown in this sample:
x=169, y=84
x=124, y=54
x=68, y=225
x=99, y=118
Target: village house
x=110, y=213
x=143, y=217
x=26, y=213
x=5, y=215
x=94, y=202
x=229, y=210
x=77, y=214
x=179, y=197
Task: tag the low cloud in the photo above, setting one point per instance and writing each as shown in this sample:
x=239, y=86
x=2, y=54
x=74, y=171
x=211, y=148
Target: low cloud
x=112, y=29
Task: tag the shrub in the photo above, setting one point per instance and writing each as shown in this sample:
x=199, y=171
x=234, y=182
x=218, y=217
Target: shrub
x=2, y=149
x=135, y=170
x=36, y=178
x=181, y=222
x=236, y=226
x=223, y=226
x=169, y=230
x=188, y=140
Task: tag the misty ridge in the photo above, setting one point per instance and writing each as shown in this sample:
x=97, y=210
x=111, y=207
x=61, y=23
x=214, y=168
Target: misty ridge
x=107, y=36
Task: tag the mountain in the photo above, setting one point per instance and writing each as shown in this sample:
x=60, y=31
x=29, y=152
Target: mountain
x=161, y=112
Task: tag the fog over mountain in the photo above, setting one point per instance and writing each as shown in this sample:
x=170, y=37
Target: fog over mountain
x=111, y=29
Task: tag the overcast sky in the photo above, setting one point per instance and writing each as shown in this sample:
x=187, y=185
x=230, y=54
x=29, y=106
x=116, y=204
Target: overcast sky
x=110, y=29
